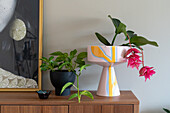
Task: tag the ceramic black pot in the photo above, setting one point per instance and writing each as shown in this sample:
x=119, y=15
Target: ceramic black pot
x=59, y=79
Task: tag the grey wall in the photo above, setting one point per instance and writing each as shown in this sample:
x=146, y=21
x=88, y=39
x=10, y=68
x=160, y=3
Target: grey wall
x=70, y=24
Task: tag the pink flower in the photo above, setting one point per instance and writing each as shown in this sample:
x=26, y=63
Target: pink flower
x=132, y=50
x=147, y=72
x=134, y=58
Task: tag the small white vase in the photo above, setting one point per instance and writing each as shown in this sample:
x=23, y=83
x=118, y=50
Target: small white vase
x=108, y=57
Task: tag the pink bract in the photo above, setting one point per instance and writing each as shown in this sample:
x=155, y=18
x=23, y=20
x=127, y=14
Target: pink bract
x=134, y=58
x=132, y=50
x=147, y=72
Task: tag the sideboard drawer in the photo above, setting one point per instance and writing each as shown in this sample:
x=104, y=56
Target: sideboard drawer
x=85, y=109
x=117, y=109
x=34, y=109
x=20, y=109
x=55, y=109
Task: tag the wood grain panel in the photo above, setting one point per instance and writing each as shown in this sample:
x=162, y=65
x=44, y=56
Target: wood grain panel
x=30, y=109
x=31, y=98
x=85, y=109
x=10, y=109
x=55, y=109
x=123, y=108
x=107, y=108
x=136, y=108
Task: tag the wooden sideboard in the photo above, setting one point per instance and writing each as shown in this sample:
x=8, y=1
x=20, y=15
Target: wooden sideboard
x=28, y=102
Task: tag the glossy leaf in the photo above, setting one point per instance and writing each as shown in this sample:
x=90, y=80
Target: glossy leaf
x=44, y=59
x=57, y=53
x=87, y=93
x=115, y=21
x=84, y=67
x=131, y=34
x=51, y=58
x=62, y=65
x=72, y=54
x=80, y=61
x=73, y=96
x=65, y=86
x=121, y=29
x=82, y=55
x=102, y=39
x=140, y=41
x=166, y=110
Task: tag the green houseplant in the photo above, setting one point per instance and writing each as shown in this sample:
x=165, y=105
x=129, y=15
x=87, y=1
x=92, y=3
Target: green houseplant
x=110, y=55
x=135, y=42
x=62, y=68
x=79, y=93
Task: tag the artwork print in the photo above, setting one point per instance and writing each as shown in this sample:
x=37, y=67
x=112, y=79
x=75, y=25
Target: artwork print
x=20, y=44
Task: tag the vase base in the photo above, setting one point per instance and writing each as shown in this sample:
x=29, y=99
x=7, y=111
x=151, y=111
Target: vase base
x=105, y=95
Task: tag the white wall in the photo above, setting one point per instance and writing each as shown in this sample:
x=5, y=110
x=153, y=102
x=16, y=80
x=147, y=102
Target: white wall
x=70, y=24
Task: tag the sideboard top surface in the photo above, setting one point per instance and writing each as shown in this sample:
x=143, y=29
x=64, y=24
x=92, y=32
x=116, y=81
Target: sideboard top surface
x=27, y=98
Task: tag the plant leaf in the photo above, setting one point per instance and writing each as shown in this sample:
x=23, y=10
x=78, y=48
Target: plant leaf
x=131, y=34
x=57, y=53
x=83, y=67
x=121, y=29
x=166, y=110
x=51, y=58
x=82, y=55
x=62, y=65
x=140, y=41
x=115, y=21
x=73, y=96
x=72, y=54
x=87, y=93
x=102, y=39
x=65, y=86
x=44, y=59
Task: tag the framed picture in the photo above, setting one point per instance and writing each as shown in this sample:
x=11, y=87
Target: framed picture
x=21, y=25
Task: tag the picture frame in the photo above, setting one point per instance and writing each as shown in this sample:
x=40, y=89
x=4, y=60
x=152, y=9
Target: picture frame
x=22, y=82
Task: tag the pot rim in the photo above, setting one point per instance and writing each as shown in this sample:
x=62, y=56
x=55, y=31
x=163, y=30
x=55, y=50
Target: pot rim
x=61, y=71
x=107, y=46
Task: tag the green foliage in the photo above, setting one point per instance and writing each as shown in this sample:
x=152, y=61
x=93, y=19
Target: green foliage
x=120, y=27
x=87, y=93
x=166, y=110
x=102, y=39
x=59, y=60
x=78, y=94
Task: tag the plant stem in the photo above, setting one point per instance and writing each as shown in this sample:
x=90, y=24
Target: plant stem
x=129, y=41
x=142, y=57
x=114, y=39
x=78, y=88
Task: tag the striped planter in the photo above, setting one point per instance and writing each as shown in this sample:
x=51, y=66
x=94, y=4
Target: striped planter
x=108, y=57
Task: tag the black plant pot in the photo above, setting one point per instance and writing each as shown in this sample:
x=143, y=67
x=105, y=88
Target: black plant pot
x=59, y=79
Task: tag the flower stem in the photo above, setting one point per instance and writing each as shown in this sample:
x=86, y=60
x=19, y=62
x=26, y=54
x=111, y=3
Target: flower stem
x=114, y=39
x=129, y=41
x=142, y=57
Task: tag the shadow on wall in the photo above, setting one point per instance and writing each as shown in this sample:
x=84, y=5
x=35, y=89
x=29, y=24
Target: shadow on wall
x=153, y=111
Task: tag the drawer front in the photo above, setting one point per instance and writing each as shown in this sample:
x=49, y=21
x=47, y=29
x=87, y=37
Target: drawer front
x=117, y=109
x=34, y=109
x=55, y=109
x=20, y=109
x=85, y=109
x=10, y=109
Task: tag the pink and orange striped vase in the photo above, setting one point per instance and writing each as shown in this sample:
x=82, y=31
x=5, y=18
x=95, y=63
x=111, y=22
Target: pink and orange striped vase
x=108, y=57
